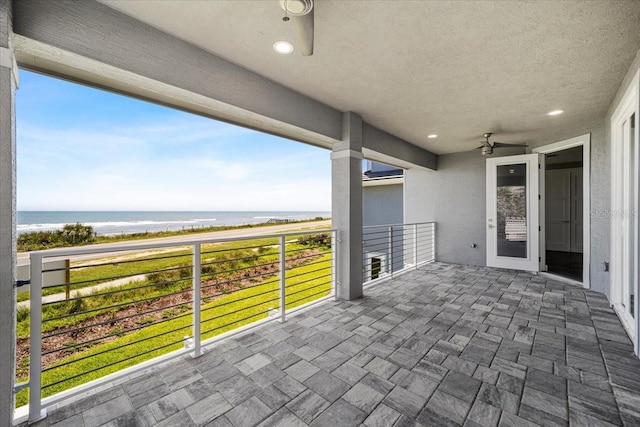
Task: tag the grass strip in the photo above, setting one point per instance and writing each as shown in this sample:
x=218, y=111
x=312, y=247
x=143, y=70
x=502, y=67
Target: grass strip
x=226, y=313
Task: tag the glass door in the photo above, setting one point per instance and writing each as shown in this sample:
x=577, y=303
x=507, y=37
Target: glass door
x=512, y=212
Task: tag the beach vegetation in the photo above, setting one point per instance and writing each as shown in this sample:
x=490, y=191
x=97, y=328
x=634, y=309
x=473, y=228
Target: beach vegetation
x=80, y=235
x=70, y=235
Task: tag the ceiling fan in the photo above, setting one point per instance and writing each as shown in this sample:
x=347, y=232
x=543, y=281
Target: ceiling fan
x=301, y=12
x=487, y=147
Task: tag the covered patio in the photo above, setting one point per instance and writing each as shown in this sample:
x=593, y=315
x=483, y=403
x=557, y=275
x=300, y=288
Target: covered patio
x=414, y=85
x=442, y=345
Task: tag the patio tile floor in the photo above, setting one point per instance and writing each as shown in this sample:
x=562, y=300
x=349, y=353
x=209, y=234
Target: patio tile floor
x=445, y=345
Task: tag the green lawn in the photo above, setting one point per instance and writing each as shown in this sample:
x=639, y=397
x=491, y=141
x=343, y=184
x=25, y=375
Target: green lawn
x=84, y=273
x=304, y=283
x=174, y=276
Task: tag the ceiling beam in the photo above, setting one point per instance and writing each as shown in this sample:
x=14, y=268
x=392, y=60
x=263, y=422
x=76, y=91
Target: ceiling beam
x=384, y=147
x=94, y=31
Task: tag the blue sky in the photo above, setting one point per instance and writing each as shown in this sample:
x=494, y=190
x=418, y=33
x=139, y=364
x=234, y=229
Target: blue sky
x=79, y=148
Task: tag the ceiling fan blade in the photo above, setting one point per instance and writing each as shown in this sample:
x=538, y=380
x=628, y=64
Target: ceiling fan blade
x=304, y=27
x=501, y=144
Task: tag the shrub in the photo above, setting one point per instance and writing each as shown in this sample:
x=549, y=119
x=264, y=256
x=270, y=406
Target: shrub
x=185, y=272
x=22, y=314
x=208, y=270
x=75, y=234
x=316, y=240
x=146, y=320
x=70, y=235
x=75, y=306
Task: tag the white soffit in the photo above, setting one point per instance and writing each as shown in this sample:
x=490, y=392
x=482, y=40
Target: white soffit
x=411, y=68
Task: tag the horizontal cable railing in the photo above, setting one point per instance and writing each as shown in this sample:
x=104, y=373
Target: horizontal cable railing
x=130, y=305
x=394, y=248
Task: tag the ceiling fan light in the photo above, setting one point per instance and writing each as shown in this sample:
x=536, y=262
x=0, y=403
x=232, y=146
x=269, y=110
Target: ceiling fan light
x=296, y=7
x=283, y=47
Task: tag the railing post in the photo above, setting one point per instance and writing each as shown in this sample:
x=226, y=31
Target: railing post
x=35, y=340
x=283, y=279
x=197, y=300
x=433, y=241
x=391, y=250
x=415, y=245
x=334, y=266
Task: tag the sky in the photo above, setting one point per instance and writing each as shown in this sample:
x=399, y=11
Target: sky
x=80, y=148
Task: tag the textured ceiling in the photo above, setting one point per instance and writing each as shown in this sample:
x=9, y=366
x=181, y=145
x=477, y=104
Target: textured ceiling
x=454, y=68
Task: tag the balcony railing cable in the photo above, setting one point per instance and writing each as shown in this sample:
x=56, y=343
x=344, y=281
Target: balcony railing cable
x=391, y=249
x=133, y=305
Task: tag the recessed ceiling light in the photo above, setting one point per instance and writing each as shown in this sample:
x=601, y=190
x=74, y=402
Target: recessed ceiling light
x=433, y=135
x=554, y=112
x=283, y=47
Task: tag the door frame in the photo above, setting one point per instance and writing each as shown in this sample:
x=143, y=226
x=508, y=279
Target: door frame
x=530, y=263
x=620, y=265
x=583, y=141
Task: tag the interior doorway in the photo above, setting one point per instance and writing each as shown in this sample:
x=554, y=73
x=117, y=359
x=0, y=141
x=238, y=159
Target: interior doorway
x=564, y=205
x=565, y=223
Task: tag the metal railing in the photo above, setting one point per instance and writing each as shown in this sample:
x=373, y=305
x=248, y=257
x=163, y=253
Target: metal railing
x=394, y=248
x=128, y=306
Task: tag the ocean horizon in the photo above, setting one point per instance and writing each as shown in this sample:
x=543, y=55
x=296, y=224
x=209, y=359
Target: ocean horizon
x=128, y=222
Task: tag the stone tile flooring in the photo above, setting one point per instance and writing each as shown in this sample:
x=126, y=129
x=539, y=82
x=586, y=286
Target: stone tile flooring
x=446, y=345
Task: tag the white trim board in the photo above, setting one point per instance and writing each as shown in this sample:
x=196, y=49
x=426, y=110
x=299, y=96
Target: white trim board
x=377, y=182
x=585, y=142
x=622, y=263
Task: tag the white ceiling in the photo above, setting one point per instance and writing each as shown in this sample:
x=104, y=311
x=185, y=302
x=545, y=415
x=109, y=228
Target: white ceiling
x=454, y=68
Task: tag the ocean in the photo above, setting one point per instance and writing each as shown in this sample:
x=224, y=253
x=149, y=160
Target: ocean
x=127, y=222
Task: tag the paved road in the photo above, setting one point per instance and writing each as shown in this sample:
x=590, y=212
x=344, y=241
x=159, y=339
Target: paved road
x=23, y=257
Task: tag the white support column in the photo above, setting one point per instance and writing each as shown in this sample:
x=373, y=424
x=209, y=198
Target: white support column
x=346, y=206
x=8, y=83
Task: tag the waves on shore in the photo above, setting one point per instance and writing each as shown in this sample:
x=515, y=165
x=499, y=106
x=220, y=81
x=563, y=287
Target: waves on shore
x=120, y=225
x=110, y=223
